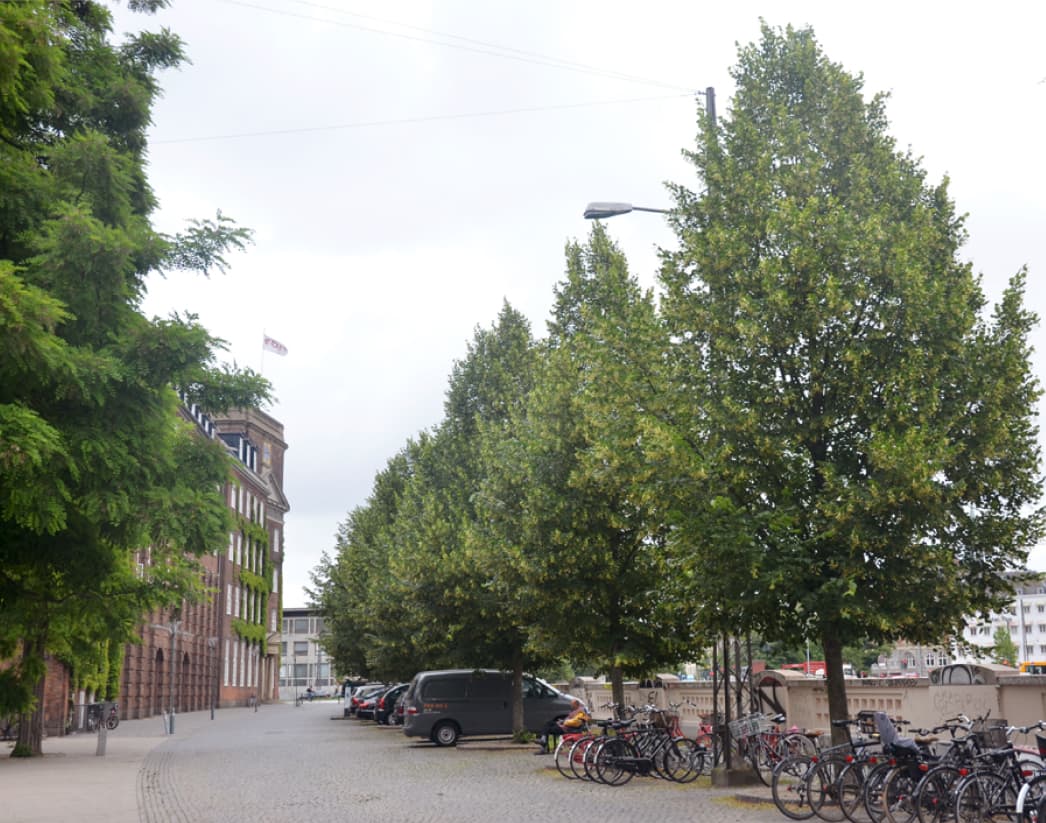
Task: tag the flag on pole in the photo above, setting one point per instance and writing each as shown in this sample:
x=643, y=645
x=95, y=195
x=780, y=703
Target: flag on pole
x=269, y=344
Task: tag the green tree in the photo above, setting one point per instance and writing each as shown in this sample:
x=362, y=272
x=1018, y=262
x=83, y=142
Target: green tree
x=95, y=461
x=441, y=552
x=1004, y=650
x=867, y=457
x=562, y=491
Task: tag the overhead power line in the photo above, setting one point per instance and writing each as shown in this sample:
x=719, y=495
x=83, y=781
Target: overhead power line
x=411, y=120
x=463, y=44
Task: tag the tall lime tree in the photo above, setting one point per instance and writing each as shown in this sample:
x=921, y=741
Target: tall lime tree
x=438, y=549
x=562, y=494
x=864, y=460
x=95, y=462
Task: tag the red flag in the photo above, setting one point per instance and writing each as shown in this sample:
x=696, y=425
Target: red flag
x=274, y=345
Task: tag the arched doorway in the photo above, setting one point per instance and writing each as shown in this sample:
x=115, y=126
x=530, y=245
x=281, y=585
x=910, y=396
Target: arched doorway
x=185, y=686
x=156, y=692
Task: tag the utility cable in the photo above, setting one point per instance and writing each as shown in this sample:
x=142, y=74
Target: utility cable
x=467, y=44
x=410, y=120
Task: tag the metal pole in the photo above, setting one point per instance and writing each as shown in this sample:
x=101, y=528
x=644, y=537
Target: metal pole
x=174, y=670
x=728, y=760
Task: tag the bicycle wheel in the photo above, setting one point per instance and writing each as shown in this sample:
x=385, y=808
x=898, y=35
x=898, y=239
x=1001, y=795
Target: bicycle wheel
x=851, y=790
x=788, y=786
x=898, y=793
x=713, y=755
x=934, y=797
x=872, y=792
x=577, y=756
x=1029, y=800
x=609, y=768
x=588, y=762
x=793, y=745
x=112, y=722
x=562, y=757
x=761, y=759
x=985, y=796
x=684, y=761
x=823, y=790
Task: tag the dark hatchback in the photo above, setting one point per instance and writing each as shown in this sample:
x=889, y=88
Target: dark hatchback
x=385, y=708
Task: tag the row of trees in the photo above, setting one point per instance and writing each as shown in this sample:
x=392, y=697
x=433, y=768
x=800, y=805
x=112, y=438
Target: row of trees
x=816, y=430
x=95, y=461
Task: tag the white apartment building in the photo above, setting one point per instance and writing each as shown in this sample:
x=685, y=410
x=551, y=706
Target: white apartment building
x=1025, y=621
x=302, y=662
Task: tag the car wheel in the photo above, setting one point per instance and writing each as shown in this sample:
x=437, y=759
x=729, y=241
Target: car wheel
x=445, y=734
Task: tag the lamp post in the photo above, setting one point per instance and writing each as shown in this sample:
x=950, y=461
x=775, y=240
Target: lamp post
x=212, y=644
x=600, y=210
x=174, y=669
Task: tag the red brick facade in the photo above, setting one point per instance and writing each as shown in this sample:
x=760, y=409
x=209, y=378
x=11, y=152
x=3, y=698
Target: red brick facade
x=56, y=697
x=225, y=650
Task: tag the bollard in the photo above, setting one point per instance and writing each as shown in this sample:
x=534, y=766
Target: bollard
x=102, y=735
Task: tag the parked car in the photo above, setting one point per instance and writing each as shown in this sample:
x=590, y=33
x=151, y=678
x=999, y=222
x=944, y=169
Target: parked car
x=366, y=698
x=361, y=694
x=401, y=708
x=444, y=705
x=386, y=706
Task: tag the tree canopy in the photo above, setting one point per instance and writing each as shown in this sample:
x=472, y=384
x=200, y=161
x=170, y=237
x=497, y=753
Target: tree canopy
x=867, y=431
x=820, y=431
x=96, y=462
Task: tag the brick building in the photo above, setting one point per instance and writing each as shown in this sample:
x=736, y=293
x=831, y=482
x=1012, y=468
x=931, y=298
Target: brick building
x=224, y=650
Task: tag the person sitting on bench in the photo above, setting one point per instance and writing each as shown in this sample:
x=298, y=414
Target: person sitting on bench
x=573, y=722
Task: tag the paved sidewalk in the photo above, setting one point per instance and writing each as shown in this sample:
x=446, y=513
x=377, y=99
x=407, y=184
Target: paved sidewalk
x=71, y=782
x=221, y=771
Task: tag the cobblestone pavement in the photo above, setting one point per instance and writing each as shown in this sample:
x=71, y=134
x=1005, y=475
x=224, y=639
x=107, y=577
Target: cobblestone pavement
x=283, y=763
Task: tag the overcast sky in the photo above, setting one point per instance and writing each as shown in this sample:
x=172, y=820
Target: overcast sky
x=408, y=166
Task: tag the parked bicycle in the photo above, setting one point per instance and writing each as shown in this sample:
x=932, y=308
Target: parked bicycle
x=96, y=715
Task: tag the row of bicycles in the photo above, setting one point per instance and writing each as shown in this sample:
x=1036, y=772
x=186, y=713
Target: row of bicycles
x=962, y=771
x=649, y=741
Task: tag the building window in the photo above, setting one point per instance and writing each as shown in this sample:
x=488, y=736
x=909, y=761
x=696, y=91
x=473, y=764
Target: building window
x=1041, y=608
x=301, y=648
x=301, y=625
x=283, y=648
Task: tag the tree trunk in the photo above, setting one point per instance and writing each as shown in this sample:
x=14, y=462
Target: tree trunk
x=31, y=724
x=517, y=694
x=617, y=689
x=836, y=684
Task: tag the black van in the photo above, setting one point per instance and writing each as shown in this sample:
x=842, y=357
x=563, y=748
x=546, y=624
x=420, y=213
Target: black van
x=444, y=705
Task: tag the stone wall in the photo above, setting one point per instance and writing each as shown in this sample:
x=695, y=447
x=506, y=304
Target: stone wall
x=1019, y=699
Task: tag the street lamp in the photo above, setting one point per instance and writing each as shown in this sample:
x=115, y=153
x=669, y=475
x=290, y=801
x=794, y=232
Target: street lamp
x=212, y=687
x=602, y=210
